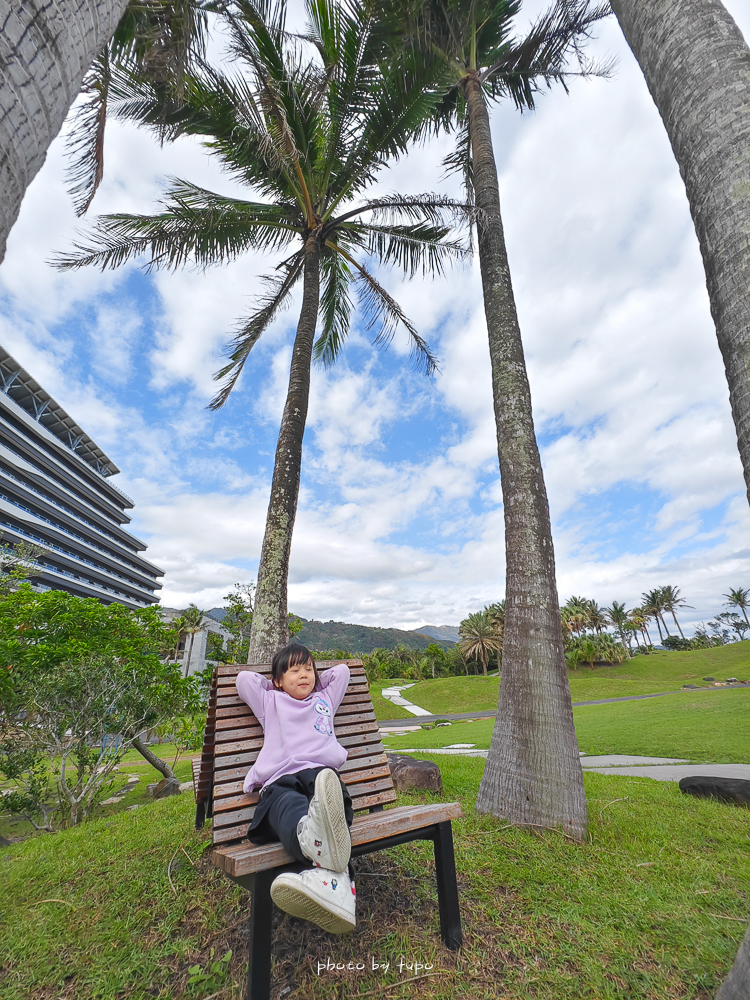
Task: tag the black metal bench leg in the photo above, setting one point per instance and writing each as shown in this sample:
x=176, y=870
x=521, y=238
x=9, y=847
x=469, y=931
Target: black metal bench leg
x=200, y=815
x=261, y=919
x=447, y=889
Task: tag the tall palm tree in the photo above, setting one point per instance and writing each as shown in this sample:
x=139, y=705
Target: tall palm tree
x=738, y=598
x=695, y=61
x=533, y=774
x=671, y=600
x=479, y=637
x=308, y=137
x=617, y=615
x=653, y=605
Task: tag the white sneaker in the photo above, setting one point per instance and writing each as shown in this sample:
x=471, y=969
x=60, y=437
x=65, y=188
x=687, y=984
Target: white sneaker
x=325, y=898
x=324, y=834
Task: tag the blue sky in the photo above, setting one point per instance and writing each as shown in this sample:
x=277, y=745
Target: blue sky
x=400, y=517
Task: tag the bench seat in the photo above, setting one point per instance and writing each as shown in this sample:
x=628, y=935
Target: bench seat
x=246, y=858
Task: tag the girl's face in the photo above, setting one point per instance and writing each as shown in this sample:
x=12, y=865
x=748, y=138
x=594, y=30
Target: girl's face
x=299, y=680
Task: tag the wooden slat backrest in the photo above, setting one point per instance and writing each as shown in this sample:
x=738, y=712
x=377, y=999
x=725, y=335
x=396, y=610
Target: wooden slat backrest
x=234, y=738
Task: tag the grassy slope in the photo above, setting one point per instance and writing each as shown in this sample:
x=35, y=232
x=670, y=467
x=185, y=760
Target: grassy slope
x=711, y=726
x=638, y=913
x=641, y=675
x=384, y=709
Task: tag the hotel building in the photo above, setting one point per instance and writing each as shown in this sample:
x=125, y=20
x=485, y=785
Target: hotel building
x=56, y=491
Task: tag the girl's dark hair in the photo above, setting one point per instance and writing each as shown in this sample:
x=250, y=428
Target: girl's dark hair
x=288, y=657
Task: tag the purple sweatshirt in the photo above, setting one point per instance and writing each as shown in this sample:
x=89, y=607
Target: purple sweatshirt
x=298, y=732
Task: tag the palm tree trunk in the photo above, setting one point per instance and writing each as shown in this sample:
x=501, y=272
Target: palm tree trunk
x=533, y=775
x=737, y=984
x=46, y=46
x=269, y=631
x=677, y=624
x=697, y=67
x=663, y=622
x=658, y=626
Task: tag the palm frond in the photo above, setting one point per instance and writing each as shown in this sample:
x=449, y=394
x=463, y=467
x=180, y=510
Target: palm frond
x=459, y=160
x=335, y=307
x=416, y=248
x=544, y=56
x=85, y=142
x=250, y=331
x=437, y=209
x=198, y=227
x=384, y=314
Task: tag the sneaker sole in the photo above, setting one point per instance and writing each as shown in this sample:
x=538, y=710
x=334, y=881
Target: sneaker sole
x=293, y=900
x=328, y=791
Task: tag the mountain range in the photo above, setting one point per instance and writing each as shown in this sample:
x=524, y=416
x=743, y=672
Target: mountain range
x=364, y=638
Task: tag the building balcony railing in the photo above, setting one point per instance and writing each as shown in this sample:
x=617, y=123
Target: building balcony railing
x=80, y=538
x=67, y=510
x=76, y=558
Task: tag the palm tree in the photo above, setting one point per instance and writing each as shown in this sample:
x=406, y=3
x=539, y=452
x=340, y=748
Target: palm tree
x=671, y=600
x=653, y=606
x=695, y=61
x=309, y=138
x=533, y=774
x=617, y=615
x=738, y=598
x=479, y=637
x=639, y=617
x=191, y=624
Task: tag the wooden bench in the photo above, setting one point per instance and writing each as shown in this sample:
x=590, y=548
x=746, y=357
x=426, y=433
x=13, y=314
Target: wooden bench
x=232, y=742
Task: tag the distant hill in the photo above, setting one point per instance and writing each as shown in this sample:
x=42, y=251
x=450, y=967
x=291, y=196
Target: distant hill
x=362, y=638
x=441, y=632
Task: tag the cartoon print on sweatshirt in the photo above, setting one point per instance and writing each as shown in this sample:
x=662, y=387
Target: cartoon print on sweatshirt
x=323, y=721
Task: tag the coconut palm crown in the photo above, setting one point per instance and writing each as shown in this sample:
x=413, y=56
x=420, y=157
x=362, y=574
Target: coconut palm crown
x=307, y=123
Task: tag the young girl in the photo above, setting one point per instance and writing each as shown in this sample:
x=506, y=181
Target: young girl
x=303, y=802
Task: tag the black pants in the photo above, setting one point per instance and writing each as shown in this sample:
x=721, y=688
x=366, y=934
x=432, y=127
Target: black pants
x=282, y=805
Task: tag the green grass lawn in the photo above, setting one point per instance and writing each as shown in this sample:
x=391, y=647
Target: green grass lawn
x=652, y=907
x=640, y=675
x=712, y=726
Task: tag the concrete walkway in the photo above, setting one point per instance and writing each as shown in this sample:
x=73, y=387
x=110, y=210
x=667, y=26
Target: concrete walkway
x=628, y=765
x=393, y=695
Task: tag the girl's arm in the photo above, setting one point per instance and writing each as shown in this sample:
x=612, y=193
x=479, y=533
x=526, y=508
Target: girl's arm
x=334, y=682
x=255, y=690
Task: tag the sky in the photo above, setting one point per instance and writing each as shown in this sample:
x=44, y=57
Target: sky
x=400, y=519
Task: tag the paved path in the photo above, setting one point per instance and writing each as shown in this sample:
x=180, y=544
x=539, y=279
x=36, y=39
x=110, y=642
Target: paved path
x=626, y=765
x=393, y=695
x=426, y=717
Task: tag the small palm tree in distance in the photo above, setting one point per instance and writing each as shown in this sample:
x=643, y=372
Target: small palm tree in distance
x=617, y=615
x=479, y=638
x=671, y=600
x=738, y=598
x=308, y=135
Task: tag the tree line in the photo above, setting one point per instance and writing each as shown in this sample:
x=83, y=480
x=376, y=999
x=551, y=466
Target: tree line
x=307, y=122
x=585, y=623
